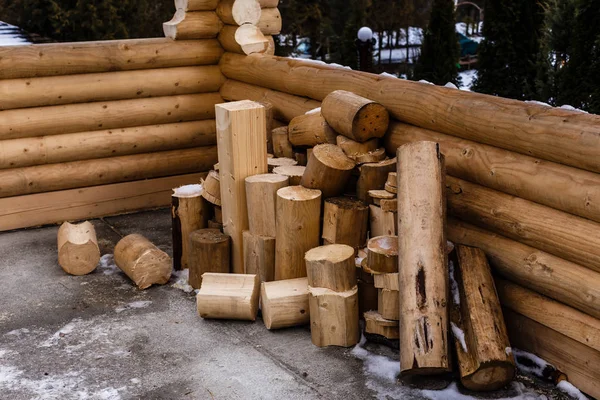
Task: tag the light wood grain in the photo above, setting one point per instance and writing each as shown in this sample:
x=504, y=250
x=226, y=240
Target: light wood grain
x=189, y=212
x=285, y=303
x=331, y=266
x=261, y=197
x=196, y=5
x=345, y=221
x=193, y=25
x=310, y=130
x=333, y=317
x=259, y=256
x=78, y=252
x=228, y=296
x=143, y=262
x=209, y=251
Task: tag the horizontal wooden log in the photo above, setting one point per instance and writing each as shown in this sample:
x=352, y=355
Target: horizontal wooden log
x=270, y=21
x=562, y=318
x=553, y=134
x=71, y=118
x=285, y=106
x=544, y=273
x=84, y=88
x=555, y=185
x=196, y=5
x=143, y=262
x=580, y=363
x=268, y=3
x=239, y=12
x=46, y=178
x=193, y=25
x=54, y=149
x=54, y=59
x=245, y=39
x=228, y=296
x=566, y=236
x=90, y=202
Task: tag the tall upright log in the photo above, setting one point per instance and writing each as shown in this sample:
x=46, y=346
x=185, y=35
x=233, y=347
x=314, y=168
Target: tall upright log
x=553, y=134
x=242, y=145
x=285, y=303
x=355, y=117
x=332, y=267
x=345, y=221
x=328, y=170
x=259, y=256
x=209, y=251
x=310, y=130
x=333, y=317
x=261, y=197
x=566, y=236
x=78, y=252
x=298, y=226
x=189, y=212
x=422, y=260
x=480, y=336
x=143, y=262
x=544, y=273
x=193, y=25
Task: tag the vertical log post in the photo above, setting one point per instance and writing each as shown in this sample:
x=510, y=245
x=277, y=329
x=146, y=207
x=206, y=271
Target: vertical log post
x=480, y=336
x=242, y=144
x=261, y=197
x=422, y=260
x=189, y=212
x=328, y=170
x=345, y=221
x=209, y=252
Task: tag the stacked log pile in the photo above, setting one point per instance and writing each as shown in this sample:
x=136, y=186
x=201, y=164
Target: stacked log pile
x=522, y=179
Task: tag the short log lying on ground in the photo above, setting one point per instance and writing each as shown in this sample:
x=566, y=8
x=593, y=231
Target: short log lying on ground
x=209, y=252
x=228, y=296
x=333, y=317
x=261, y=197
x=189, y=212
x=378, y=325
x=259, y=256
x=143, y=262
x=298, y=226
x=345, y=221
x=480, y=336
x=285, y=303
x=354, y=116
x=332, y=267
x=78, y=252
x=422, y=261
x=328, y=170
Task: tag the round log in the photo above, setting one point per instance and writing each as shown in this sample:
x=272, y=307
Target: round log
x=388, y=304
x=77, y=174
x=196, y=5
x=293, y=172
x=298, y=226
x=78, y=252
x=280, y=162
x=382, y=254
x=285, y=303
x=209, y=252
x=345, y=221
x=332, y=267
x=310, y=130
x=72, y=118
x=57, y=149
x=355, y=117
x=333, y=317
x=245, y=39
x=328, y=170
x=228, y=296
x=270, y=21
x=211, y=188
x=143, y=262
x=189, y=212
x=108, y=86
x=422, y=262
x=373, y=176
x=353, y=148
x=193, y=25
x=370, y=157
x=259, y=256
x=261, y=197
x=239, y=12
x=282, y=148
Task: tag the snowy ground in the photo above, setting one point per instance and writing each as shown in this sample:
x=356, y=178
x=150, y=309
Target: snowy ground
x=11, y=35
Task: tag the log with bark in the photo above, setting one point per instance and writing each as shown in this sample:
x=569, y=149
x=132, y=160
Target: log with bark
x=281, y=143
x=310, y=130
x=388, y=304
x=353, y=148
x=345, y=221
x=328, y=170
x=189, y=212
x=373, y=176
x=196, y=5
x=78, y=252
x=209, y=252
x=382, y=254
x=378, y=325
x=382, y=223
x=211, y=188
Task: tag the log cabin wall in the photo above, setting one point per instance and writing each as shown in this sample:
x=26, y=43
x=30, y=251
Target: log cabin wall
x=523, y=185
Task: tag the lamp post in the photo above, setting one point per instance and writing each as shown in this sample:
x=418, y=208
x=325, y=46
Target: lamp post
x=364, y=45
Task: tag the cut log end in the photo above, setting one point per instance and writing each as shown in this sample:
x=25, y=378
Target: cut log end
x=298, y=193
x=294, y=172
x=490, y=376
x=332, y=156
x=280, y=162
x=78, y=252
x=371, y=121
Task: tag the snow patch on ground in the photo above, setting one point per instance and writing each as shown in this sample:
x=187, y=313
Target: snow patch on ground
x=107, y=264
x=62, y=332
x=460, y=336
x=530, y=363
x=181, y=280
x=375, y=365
x=134, y=304
x=571, y=390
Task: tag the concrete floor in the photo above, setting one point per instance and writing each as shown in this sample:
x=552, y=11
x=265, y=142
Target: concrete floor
x=98, y=337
